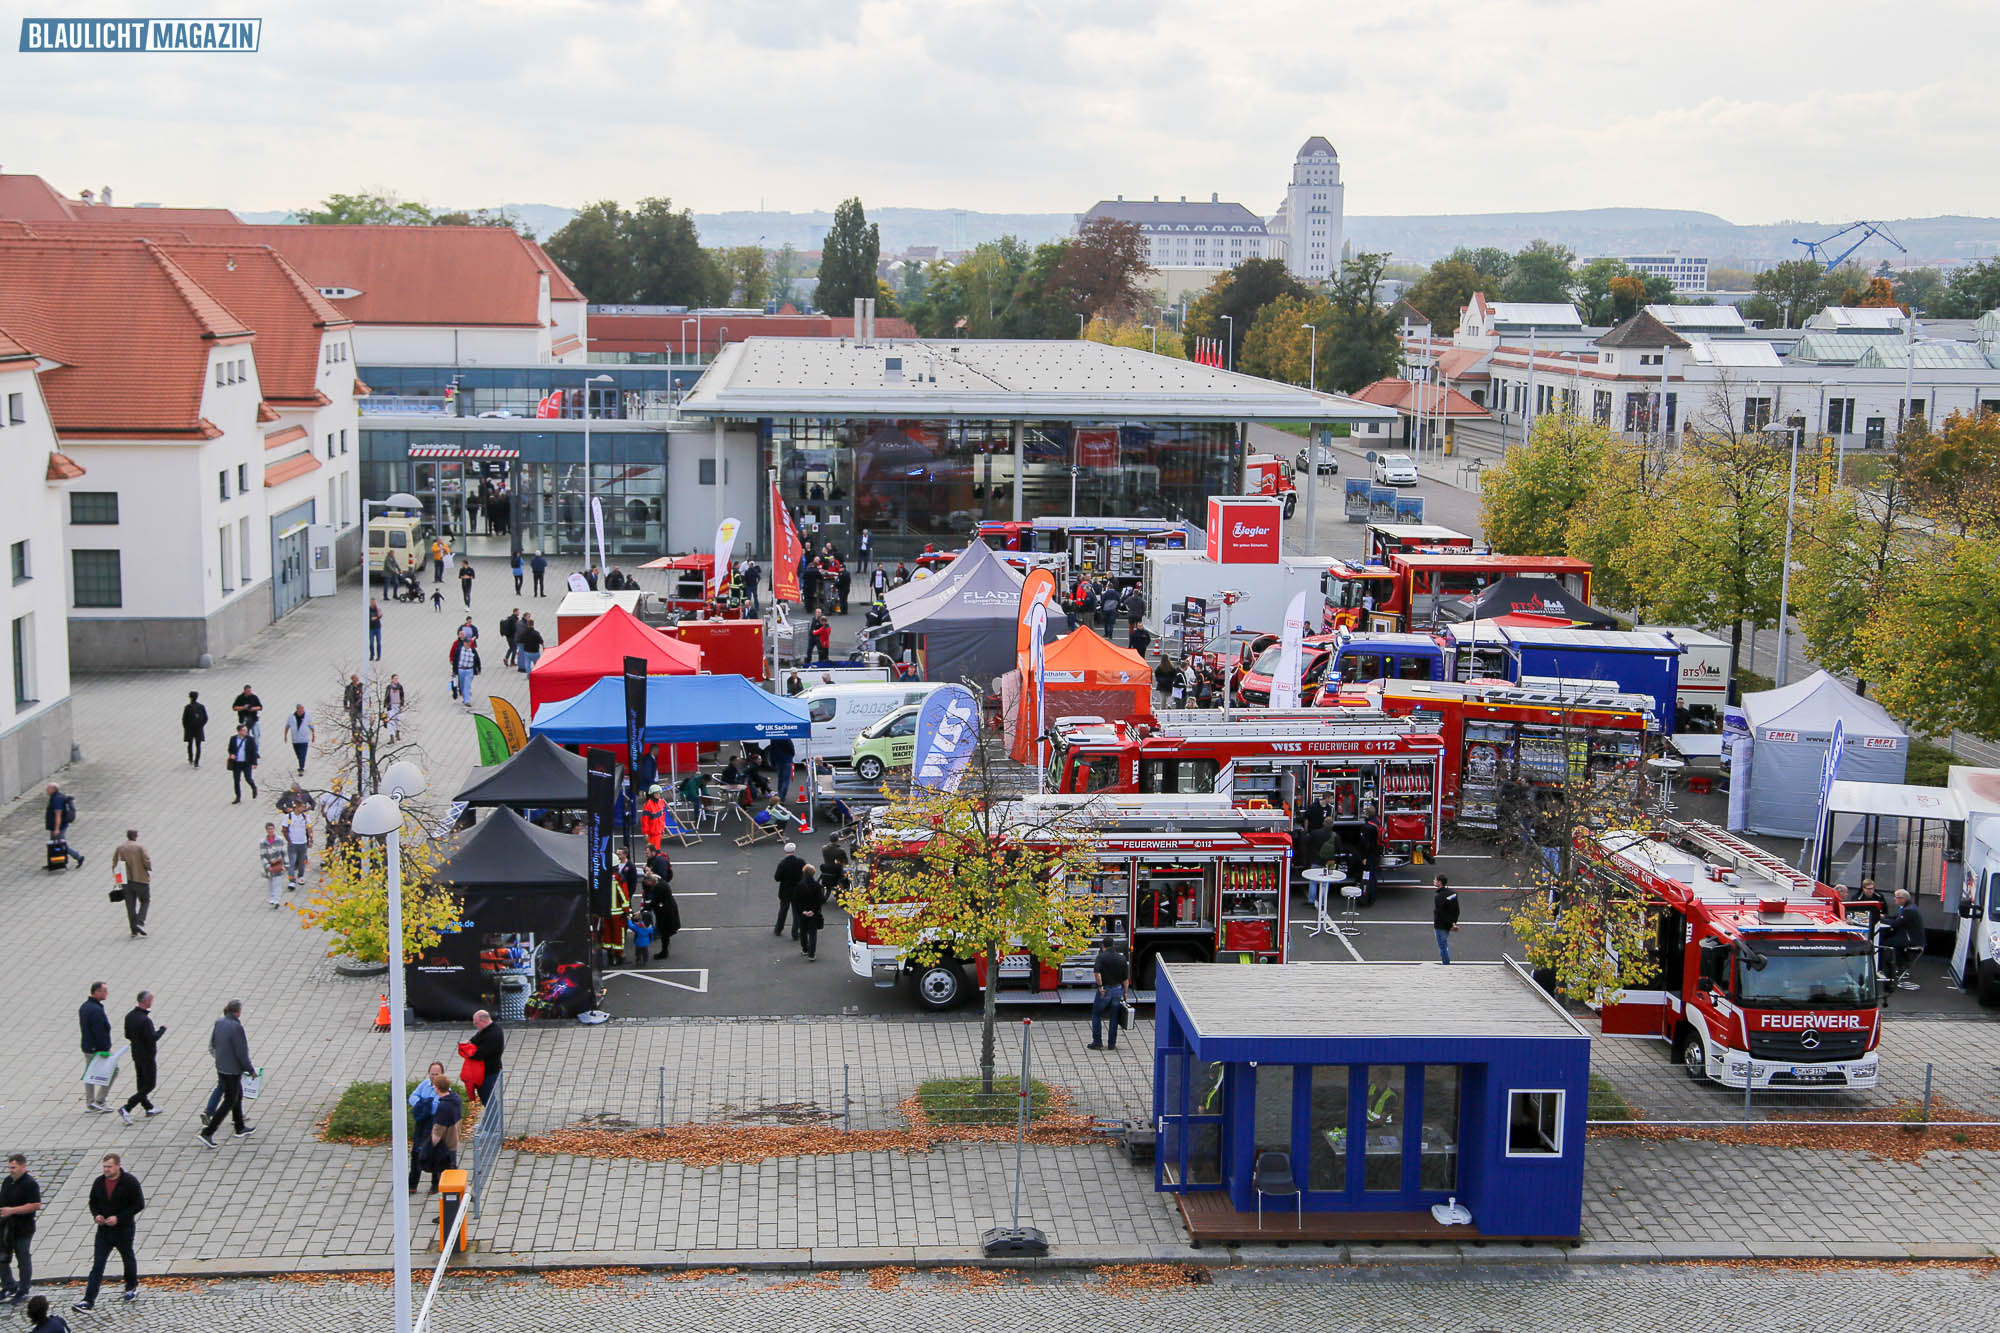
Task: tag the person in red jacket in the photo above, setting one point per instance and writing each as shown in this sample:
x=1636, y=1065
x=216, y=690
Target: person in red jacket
x=822, y=638
x=653, y=818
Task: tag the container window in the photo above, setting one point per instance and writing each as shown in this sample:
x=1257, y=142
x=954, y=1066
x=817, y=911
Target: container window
x=1534, y=1124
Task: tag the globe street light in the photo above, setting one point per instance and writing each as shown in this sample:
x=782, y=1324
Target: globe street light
x=381, y=816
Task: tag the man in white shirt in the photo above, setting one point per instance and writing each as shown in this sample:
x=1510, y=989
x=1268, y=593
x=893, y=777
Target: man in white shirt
x=298, y=841
x=299, y=731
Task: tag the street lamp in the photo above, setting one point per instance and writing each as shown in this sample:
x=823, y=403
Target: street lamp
x=400, y=500
x=1232, y=342
x=696, y=321
x=594, y=379
x=1156, y=337
x=1080, y=324
x=381, y=816
x=1312, y=358
x=1313, y=446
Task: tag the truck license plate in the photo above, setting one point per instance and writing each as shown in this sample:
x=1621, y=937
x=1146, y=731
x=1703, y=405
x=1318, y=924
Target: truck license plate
x=1809, y=1075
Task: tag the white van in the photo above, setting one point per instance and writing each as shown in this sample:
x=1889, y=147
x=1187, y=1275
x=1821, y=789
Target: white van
x=840, y=712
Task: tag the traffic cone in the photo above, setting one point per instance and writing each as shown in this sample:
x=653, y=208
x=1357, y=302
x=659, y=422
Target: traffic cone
x=382, y=1015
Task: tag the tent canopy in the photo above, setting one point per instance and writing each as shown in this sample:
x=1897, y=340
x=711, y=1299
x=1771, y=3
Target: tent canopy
x=1518, y=595
x=967, y=613
x=1084, y=674
x=679, y=709
x=504, y=849
x=1791, y=728
x=541, y=775
x=702, y=563
x=1085, y=656
x=599, y=649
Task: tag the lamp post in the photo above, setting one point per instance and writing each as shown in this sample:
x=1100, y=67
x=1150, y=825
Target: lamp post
x=1313, y=446
x=400, y=500
x=594, y=379
x=1312, y=357
x=1232, y=342
x=1080, y=325
x=1154, y=330
x=381, y=816
x=696, y=321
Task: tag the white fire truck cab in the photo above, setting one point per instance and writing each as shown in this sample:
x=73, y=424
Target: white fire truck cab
x=1184, y=878
x=1763, y=980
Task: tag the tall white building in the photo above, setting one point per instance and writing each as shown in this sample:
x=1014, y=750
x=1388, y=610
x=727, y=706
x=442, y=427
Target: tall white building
x=1307, y=231
x=1211, y=235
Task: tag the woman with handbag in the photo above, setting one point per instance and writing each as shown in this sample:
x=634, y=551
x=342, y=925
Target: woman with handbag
x=808, y=898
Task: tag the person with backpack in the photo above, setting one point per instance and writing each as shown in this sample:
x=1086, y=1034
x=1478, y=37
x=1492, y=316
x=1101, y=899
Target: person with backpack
x=194, y=727
x=1107, y=609
x=464, y=665
x=58, y=817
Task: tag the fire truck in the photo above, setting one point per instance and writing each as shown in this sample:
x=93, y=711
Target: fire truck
x=1181, y=878
x=1495, y=732
x=1268, y=474
x=1094, y=546
x=1763, y=979
x=1358, y=762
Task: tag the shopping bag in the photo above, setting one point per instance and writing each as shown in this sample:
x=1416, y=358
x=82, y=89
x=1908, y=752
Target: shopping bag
x=102, y=1070
x=252, y=1085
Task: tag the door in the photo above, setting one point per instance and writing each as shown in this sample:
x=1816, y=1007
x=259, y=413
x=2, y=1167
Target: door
x=321, y=576
x=1982, y=888
x=1188, y=1153
x=288, y=570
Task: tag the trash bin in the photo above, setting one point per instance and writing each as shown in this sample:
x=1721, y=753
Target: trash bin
x=513, y=998
x=452, y=1186
x=1450, y=445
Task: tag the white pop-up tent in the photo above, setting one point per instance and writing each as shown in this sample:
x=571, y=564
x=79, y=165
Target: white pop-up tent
x=1789, y=730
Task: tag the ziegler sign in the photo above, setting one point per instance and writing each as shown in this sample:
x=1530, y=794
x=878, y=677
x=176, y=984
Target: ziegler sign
x=1244, y=530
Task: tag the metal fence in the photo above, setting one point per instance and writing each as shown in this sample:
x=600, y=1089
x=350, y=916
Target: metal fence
x=1660, y=1092
x=487, y=1137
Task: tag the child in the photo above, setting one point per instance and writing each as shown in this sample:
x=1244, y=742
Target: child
x=437, y=600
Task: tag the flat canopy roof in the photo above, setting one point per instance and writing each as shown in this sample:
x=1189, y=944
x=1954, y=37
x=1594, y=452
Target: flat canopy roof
x=1418, y=1000
x=1016, y=379
x=1896, y=800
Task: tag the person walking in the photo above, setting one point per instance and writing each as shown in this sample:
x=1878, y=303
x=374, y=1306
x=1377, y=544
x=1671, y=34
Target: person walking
x=864, y=550
x=298, y=843
x=487, y=1045
x=137, y=864
x=58, y=817
x=1140, y=639
x=527, y=644
x=393, y=699
x=299, y=733
x=374, y=630
x=783, y=757
x=1107, y=610
x=273, y=863
x=666, y=910
x=1135, y=609
x=1444, y=916
x=514, y=568
x=879, y=581
x=249, y=711
x=115, y=1204
x=510, y=625
x=1111, y=971
x=144, y=1038
x=94, y=1027
x=539, y=566
x=194, y=727
x=653, y=818
x=230, y=1045
x=465, y=577
x=807, y=899
x=465, y=662
x=423, y=1110
x=447, y=1116
x=788, y=874
x=20, y=1200
x=242, y=763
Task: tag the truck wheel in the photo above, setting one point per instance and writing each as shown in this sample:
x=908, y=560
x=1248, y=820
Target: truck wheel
x=1291, y=502
x=1693, y=1055
x=940, y=986
x=868, y=768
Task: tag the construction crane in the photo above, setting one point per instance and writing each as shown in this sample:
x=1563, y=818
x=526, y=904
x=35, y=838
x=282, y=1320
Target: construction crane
x=1819, y=250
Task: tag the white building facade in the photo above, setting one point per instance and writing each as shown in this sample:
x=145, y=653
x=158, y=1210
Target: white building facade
x=1309, y=227
x=35, y=724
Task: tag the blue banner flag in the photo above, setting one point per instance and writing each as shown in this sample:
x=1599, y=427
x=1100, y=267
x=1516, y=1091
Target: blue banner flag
x=947, y=729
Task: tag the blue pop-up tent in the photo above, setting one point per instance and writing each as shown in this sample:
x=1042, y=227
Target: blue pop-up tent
x=679, y=709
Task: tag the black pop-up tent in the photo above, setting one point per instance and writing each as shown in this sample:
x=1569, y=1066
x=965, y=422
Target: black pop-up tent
x=966, y=614
x=541, y=775
x=522, y=948
x=1521, y=596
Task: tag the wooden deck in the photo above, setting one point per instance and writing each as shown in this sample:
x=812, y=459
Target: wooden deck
x=1211, y=1219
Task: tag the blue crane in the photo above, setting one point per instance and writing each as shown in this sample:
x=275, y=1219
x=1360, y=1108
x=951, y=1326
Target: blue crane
x=1818, y=250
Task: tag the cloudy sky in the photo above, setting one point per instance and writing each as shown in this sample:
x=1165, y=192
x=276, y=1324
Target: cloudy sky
x=1758, y=111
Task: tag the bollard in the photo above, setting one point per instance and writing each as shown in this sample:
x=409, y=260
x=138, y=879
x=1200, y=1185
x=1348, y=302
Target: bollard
x=846, y=1099
x=663, y=1099
x=452, y=1186
x=1749, y=1077
x=1927, y=1093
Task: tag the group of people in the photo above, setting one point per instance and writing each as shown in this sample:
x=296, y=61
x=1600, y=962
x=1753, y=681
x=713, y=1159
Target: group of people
x=115, y=1202
x=803, y=893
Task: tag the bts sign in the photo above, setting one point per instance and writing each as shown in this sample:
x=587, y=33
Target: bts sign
x=1244, y=529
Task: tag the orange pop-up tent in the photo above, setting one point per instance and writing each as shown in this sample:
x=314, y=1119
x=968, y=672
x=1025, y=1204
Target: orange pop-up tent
x=1083, y=673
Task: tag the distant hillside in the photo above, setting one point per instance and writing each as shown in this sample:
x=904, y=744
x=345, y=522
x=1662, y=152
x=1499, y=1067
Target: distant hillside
x=1416, y=239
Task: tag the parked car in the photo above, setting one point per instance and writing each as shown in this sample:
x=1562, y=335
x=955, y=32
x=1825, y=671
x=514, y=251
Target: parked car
x=889, y=742
x=1328, y=463
x=1396, y=470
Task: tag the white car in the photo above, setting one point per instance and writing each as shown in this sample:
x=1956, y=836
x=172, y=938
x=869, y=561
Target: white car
x=1396, y=470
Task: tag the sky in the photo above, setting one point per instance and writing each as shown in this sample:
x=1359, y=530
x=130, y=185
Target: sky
x=1760, y=111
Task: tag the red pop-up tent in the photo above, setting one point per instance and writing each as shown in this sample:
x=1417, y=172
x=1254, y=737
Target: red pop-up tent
x=1083, y=674
x=600, y=649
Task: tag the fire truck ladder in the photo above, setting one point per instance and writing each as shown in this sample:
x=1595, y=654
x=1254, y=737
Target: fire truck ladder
x=1741, y=854
x=1287, y=724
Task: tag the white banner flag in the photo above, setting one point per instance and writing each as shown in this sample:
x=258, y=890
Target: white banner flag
x=1291, y=655
x=725, y=542
x=597, y=520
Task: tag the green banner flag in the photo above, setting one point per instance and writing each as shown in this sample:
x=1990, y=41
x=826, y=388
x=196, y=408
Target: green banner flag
x=492, y=743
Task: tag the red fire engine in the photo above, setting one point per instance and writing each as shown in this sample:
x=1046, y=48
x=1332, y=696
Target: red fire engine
x=1424, y=579
x=1268, y=474
x=1183, y=878
x=1763, y=978
x=1358, y=762
x=1496, y=732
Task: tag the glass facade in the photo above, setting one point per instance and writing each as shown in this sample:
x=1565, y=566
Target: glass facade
x=636, y=393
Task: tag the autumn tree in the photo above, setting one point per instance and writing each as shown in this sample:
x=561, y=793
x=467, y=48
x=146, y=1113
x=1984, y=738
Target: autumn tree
x=1851, y=548
x=1157, y=339
x=1594, y=291
x=969, y=878
x=1443, y=293
x=1239, y=295
x=1280, y=347
x=1954, y=473
x=1880, y=293
x=1101, y=267
x=1603, y=525
x=1526, y=503
x=848, y=257
x=1929, y=653
x=350, y=902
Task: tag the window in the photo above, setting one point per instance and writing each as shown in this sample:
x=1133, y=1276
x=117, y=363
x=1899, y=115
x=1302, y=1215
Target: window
x=1326, y=1129
x=822, y=710
x=222, y=555
x=704, y=472
x=329, y=444
x=243, y=566
x=17, y=409
x=1600, y=406
x=88, y=507
x=1534, y=1124
x=222, y=482
x=343, y=441
x=242, y=477
x=1756, y=413
x=1877, y=429
x=24, y=661
x=1382, y=1167
x=221, y=372
x=98, y=579
x=19, y=560
x=1438, y=1164
x=1839, y=416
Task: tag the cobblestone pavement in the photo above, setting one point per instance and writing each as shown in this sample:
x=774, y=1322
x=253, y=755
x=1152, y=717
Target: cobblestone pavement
x=1518, y=1299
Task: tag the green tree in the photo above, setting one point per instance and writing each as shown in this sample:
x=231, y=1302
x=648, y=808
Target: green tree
x=1920, y=289
x=1929, y=654
x=483, y=217
x=367, y=208
x=749, y=275
x=1443, y=293
x=1594, y=297
x=1540, y=272
x=847, y=261
x=1971, y=291
x=594, y=249
x=1240, y=293
x=1363, y=346
x=1852, y=547
x=1279, y=346
x=1138, y=337
x=669, y=266
x=1954, y=474
x=1490, y=262
x=784, y=272
x=1526, y=503
x=1101, y=267
x=1794, y=290
x=1605, y=521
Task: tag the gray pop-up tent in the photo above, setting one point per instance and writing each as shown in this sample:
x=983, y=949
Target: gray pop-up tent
x=1789, y=730
x=541, y=775
x=966, y=616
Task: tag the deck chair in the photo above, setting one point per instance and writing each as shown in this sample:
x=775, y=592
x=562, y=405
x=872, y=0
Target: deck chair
x=677, y=830
x=765, y=825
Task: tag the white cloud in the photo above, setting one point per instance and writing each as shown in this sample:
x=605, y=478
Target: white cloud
x=1755, y=112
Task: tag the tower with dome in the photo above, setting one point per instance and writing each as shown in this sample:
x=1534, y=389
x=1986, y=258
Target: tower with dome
x=1307, y=230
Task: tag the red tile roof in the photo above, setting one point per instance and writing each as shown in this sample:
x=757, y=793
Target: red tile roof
x=282, y=471
x=278, y=439
x=131, y=333
x=361, y=390
x=560, y=287
x=266, y=414
x=287, y=312
x=11, y=350
x=63, y=468
x=32, y=199
x=1407, y=397
x=1457, y=363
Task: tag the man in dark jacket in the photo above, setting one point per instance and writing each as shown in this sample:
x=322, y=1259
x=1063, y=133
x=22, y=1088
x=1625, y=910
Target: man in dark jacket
x=1111, y=970
x=115, y=1204
x=145, y=1039
x=95, y=1027
x=488, y=1042
x=230, y=1046
x=249, y=708
x=194, y=727
x=538, y=566
x=20, y=1200
x=242, y=763
x=510, y=624
x=1444, y=916
x=57, y=817
x=788, y=874
x=1107, y=610
x=783, y=756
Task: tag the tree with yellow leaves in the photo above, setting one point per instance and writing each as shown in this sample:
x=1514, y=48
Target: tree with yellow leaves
x=1137, y=336
x=1927, y=648
x=1525, y=503
x=950, y=878
x=351, y=901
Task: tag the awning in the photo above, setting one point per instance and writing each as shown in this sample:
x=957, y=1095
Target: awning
x=679, y=710
x=1894, y=800
x=282, y=471
x=461, y=451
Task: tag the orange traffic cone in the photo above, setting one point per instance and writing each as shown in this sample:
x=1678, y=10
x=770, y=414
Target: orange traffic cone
x=382, y=1015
